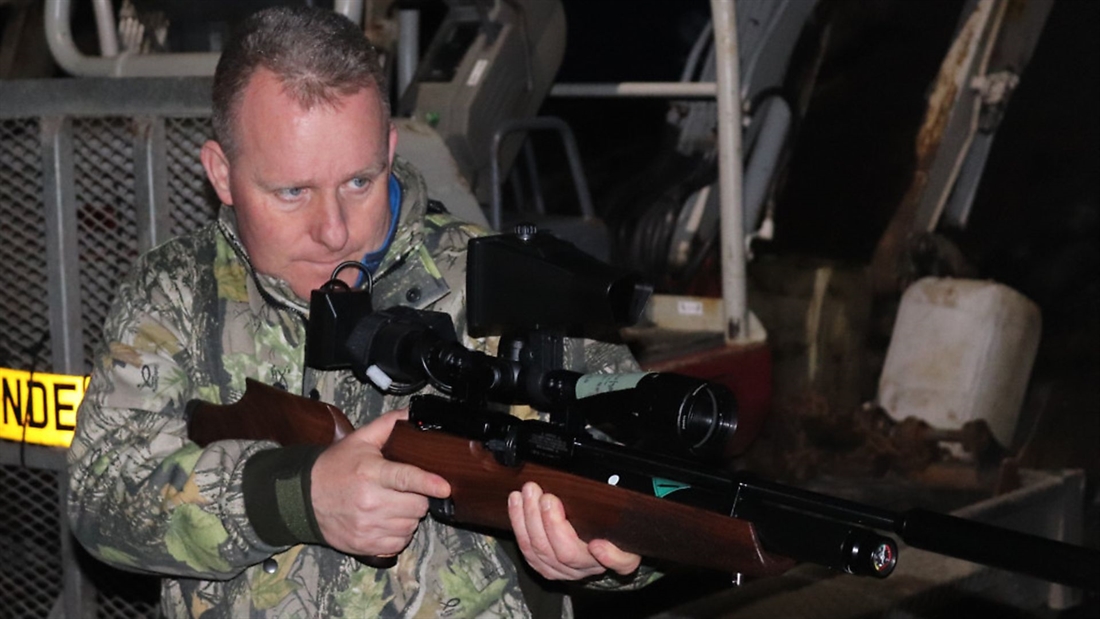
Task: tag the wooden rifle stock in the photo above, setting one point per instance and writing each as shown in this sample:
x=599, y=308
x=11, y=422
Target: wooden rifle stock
x=645, y=525
x=480, y=486
x=266, y=413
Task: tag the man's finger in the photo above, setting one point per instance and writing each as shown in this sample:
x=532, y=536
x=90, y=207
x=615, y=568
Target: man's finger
x=614, y=558
x=519, y=512
x=572, y=553
x=515, y=515
x=408, y=478
x=568, y=548
x=532, y=515
x=378, y=431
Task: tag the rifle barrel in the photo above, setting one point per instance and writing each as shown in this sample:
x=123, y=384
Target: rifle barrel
x=753, y=491
x=1043, y=558
x=759, y=500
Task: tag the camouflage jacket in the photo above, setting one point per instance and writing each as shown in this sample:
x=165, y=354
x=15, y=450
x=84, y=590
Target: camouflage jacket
x=193, y=320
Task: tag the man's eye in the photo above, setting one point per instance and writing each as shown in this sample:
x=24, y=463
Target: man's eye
x=290, y=193
x=359, y=182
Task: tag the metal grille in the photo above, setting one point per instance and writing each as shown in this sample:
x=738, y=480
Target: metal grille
x=107, y=155
x=189, y=195
x=24, y=338
x=30, y=571
x=123, y=595
x=106, y=223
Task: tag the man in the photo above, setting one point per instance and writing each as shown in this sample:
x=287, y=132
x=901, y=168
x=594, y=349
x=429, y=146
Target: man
x=304, y=164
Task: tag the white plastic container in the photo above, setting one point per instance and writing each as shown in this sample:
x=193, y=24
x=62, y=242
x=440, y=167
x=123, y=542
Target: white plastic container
x=961, y=350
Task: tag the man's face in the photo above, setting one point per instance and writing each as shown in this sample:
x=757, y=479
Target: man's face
x=310, y=188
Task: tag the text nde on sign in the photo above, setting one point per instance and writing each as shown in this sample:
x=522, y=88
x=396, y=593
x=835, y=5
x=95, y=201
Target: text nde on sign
x=39, y=408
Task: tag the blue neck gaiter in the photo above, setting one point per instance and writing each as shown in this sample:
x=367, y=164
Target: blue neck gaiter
x=374, y=258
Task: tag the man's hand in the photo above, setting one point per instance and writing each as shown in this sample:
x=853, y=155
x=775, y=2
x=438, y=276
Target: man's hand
x=365, y=504
x=550, y=544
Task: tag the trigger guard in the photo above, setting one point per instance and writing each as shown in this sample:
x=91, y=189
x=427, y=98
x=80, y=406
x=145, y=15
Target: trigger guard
x=442, y=510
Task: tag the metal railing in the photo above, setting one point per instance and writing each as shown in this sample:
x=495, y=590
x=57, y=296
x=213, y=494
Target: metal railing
x=111, y=63
x=93, y=172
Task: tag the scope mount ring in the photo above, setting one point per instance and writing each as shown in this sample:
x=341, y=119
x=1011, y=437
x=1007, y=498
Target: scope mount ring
x=406, y=388
x=396, y=388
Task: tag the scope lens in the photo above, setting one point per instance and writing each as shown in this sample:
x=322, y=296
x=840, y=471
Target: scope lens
x=671, y=413
x=699, y=418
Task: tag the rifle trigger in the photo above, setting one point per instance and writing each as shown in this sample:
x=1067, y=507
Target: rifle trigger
x=442, y=510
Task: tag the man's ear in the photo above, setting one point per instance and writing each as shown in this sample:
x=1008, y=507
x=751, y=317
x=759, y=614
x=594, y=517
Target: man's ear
x=217, y=170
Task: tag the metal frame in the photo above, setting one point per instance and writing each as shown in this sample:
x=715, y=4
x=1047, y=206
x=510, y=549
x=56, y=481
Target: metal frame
x=61, y=248
x=58, y=106
x=572, y=156
x=110, y=62
x=163, y=96
x=727, y=91
x=765, y=30
x=55, y=103
x=731, y=221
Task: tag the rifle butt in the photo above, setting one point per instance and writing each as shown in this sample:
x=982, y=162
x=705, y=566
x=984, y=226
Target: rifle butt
x=646, y=525
x=267, y=413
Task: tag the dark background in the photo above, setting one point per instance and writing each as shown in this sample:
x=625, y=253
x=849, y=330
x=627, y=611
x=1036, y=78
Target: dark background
x=1035, y=223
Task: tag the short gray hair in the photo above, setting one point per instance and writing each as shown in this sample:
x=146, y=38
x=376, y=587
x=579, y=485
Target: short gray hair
x=317, y=54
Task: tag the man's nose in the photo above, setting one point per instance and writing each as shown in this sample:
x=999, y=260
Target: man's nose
x=331, y=226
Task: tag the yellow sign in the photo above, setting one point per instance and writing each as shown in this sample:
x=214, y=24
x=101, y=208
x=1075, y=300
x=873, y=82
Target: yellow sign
x=40, y=409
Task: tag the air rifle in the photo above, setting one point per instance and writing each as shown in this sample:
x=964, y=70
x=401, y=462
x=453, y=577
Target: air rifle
x=656, y=489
